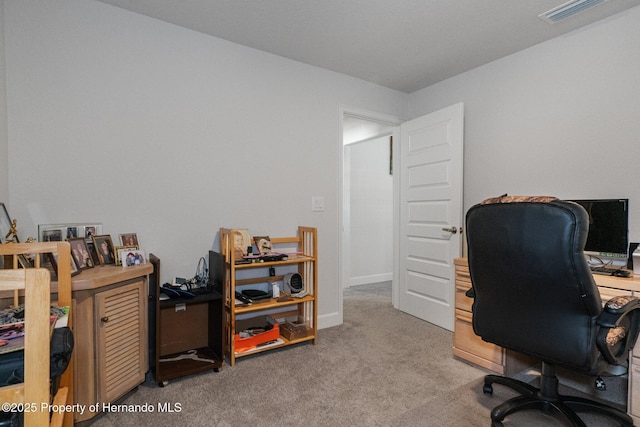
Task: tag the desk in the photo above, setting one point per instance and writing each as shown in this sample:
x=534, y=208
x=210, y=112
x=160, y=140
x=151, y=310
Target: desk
x=468, y=346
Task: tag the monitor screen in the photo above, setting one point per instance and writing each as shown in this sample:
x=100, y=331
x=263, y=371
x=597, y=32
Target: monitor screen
x=608, y=226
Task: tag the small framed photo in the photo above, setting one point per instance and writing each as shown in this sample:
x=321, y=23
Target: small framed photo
x=131, y=257
x=241, y=242
x=129, y=239
x=104, y=249
x=263, y=243
x=118, y=249
x=80, y=253
x=53, y=261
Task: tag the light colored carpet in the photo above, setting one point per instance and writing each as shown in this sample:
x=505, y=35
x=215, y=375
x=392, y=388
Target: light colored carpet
x=381, y=367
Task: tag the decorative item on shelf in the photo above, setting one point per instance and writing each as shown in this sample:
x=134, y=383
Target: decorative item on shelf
x=53, y=262
x=131, y=257
x=61, y=232
x=241, y=241
x=129, y=240
x=80, y=253
x=104, y=248
x=8, y=227
x=117, y=251
x=263, y=243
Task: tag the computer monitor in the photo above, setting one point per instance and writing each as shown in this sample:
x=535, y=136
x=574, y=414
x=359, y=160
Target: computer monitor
x=608, y=227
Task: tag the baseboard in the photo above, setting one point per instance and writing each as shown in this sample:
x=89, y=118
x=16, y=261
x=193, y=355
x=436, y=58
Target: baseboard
x=367, y=280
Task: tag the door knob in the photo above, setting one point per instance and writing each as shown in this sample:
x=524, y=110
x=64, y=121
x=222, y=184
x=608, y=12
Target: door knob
x=452, y=230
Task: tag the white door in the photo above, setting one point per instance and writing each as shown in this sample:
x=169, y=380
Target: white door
x=431, y=219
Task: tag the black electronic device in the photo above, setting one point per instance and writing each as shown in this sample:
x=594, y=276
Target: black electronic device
x=216, y=270
x=293, y=283
x=273, y=257
x=256, y=294
x=608, y=227
x=632, y=247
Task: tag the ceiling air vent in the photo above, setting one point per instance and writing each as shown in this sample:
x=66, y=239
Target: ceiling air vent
x=568, y=9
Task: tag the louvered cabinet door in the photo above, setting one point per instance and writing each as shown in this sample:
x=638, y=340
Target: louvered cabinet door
x=120, y=340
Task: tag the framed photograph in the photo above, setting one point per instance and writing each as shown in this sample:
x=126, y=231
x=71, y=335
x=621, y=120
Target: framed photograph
x=60, y=232
x=7, y=226
x=93, y=253
x=241, y=241
x=131, y=257
x=129, y=239
x=117, y=250
x=263, y=243
x=80, y=253
x=104, y=249
x=53, y=262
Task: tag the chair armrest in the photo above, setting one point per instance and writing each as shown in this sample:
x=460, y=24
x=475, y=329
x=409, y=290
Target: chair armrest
x=619, y=325
x=470, y=293
x=616, y=308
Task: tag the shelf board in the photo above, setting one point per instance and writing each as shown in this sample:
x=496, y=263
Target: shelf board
x=284, y=344
x=170, y=370
x=271, y=303
x=293, y=259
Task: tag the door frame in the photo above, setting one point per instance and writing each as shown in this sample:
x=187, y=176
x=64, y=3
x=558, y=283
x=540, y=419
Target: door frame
x=392, y=121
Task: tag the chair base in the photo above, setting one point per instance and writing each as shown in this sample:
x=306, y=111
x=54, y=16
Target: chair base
x=548, y=400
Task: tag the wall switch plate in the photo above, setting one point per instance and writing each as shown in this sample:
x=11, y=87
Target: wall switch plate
x=317, y=204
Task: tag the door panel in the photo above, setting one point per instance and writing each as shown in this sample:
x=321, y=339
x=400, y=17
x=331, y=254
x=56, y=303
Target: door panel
x=430, y=202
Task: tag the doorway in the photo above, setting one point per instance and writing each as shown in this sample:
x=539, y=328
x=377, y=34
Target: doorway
x=427, y=208
x=368, y=209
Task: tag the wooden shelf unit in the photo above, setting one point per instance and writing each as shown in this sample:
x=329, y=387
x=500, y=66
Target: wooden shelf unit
x=304, y=263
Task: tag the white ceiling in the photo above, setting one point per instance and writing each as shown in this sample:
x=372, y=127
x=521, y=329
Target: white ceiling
x=401, y=44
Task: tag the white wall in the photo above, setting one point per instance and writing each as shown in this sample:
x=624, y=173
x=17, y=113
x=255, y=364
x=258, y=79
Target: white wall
x=560, y=118
x=151, y=128
x=370, y=208
x=4, y=144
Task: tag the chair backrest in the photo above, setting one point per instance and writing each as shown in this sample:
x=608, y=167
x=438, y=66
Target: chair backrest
x=15, y=256
x=534, y=292
x=34, y=282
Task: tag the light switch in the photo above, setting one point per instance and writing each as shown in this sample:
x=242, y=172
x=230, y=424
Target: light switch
x=317, y=204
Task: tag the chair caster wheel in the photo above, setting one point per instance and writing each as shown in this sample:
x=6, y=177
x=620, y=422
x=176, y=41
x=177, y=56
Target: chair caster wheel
x=163, y=383
x=487, y=389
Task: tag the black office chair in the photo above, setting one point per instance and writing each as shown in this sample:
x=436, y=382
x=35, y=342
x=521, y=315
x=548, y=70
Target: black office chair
x=534, y=293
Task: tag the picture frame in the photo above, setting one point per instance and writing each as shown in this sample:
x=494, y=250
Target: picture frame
x=129, y=239
x=80, y=253
x=241, y=242
x=92, y=252
x=132, y=257
x=263, y=244
x=53, y=261
x=63, y=231
x=117, y=250
x=104, y=248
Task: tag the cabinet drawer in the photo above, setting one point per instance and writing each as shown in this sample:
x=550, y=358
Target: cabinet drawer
x=465, y=340
x=463, y=302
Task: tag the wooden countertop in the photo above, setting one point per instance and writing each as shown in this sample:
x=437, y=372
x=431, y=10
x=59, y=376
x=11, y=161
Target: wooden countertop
x=104, y=275
x=626, y=283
